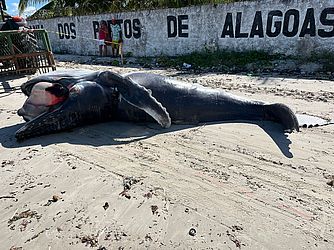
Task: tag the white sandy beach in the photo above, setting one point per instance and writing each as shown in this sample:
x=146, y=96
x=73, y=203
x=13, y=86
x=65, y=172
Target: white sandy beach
x=134, y=186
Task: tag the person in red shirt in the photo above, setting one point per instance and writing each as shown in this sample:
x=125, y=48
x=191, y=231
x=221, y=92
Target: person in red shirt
x=103, y=35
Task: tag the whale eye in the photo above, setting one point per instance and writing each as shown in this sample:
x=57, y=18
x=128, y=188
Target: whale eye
x=57, y=94
x=58, y=90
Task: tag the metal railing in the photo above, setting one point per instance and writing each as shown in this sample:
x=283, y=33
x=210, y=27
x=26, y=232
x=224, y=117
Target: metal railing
x=25, y=51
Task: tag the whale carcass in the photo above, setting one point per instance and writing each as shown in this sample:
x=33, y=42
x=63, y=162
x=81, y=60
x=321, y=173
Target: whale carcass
x=63, y=100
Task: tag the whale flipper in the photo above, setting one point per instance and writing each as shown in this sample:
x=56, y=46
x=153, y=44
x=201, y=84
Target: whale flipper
x=136, y=95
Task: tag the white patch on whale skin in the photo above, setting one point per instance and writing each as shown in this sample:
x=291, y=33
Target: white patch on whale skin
x=38, y=102
x=76, y=89
x=39, y=96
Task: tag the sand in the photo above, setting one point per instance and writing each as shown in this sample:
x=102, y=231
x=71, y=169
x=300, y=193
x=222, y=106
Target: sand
x=134, y=186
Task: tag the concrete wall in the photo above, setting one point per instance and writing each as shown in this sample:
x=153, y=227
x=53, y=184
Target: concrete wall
x=285, y=26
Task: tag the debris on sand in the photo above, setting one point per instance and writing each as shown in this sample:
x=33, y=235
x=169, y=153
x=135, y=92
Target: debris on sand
x=154, y=209
x=54, y=198
x=148, y=237
x=7, y=162
x=128, y=182
x=36, y=235
x=7, y=197
x=192, y=232
x=25, y=214
x=236, y=228
x=234, y=239
x=89, y=240
x=102, y=248
x=330, y=178
x=106, y=206
x=125, y=194
x=16, y=248
x=148, y=195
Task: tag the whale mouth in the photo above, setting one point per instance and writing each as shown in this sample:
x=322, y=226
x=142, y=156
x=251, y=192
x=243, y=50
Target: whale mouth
x=43, y=97
x=45, y=123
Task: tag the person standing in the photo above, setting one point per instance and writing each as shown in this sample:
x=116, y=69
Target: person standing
x=116, y=37
x=103, y=34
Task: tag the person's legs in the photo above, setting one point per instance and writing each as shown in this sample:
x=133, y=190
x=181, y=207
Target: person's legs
x=100, y=49
x=113, y=49
x=116, y=49
x=104, y=50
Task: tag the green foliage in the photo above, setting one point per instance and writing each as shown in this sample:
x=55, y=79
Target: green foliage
x=221, y=59
x=58, y=8
x=326, y=58
x=115, y=63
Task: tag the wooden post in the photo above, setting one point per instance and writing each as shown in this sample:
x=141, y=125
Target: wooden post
x=120, y=51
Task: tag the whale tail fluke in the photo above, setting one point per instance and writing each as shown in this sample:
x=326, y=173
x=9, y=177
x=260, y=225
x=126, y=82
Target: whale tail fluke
x=282, y=114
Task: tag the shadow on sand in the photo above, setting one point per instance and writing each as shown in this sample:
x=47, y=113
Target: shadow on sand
x=120, y=133
x=5, y=88
x=116, y=133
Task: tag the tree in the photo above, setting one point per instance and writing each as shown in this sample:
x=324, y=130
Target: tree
x=76, y=7
x=84, y=7
x=24, y=3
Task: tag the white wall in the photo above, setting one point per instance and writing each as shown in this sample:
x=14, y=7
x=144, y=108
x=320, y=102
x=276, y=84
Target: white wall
x=303, y=27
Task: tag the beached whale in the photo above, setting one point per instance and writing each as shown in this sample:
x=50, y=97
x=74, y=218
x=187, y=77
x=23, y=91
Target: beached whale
x=59, y=101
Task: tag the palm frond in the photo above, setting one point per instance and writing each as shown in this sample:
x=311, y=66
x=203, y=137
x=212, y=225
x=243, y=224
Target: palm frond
x=24, y=3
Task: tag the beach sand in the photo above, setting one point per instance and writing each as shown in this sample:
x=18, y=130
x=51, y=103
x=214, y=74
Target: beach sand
x=134, y=186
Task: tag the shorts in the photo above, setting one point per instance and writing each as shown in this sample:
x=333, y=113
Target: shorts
x=115, y=44
x=101, y=42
